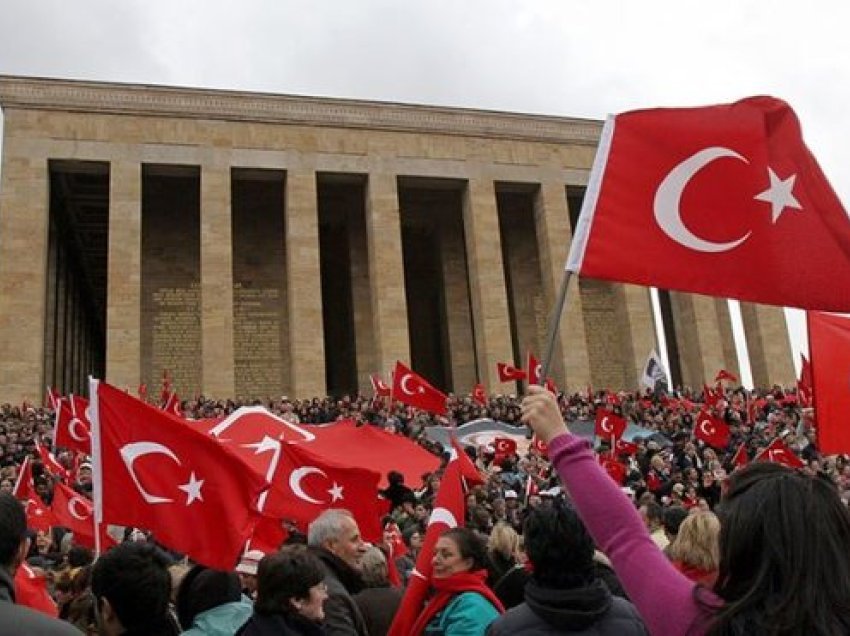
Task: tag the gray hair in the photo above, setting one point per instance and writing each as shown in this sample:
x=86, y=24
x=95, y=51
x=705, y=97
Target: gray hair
x=326, y=527
x=374, y=568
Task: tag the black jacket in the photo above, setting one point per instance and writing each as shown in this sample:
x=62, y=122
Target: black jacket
x=342, y=616
x=280, y=625
x=591, y=610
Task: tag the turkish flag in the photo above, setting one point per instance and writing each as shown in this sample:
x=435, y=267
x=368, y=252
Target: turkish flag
x=829, y=347
x=622, y=447
x=777, y=451
x=479, y=394
x=615, y=469
x=535, y=369
x=412, y=389
x=540, y=446
x=51, y=464
x=505, y=447
x=449, y=512
x=269, y=534
x=31, y=591
x=740, y=458
x=53, y=397
x=39, y=515
x=155, y=470
x=172, y=405
x=73, y=429
x=723, y=374
x=805, y=371
x=379, y=387
x=711, y=396
x=509, y=373
x=711, y=430
x=609, y=424
x=804, y=394
x=24, y=484
x=727, y=199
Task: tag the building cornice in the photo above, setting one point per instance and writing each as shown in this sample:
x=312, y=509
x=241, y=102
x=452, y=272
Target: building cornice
x=161, y=101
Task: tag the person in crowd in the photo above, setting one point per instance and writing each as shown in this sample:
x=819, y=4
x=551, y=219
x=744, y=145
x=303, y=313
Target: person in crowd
x=73, y=595
x=564, y=594
x=334, y=538
x=291, y=594
x=16, y=620
x=210, y=603
x=673, y=518
x=397, y=492
x=506, y=573
x=696, y=550
x=405, y=563
x=652, y=515
x=462, y=604
x=379, y=601
x=132, y=589
x=246, y=569
x=784, y=566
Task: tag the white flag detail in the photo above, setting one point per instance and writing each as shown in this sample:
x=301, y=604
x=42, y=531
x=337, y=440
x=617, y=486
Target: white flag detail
x=654, y=372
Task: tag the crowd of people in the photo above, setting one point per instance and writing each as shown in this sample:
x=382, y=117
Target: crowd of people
x=550, y=543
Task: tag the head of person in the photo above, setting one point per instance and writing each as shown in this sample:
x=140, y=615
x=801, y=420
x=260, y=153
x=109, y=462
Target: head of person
x=783, y=547
x=291, y=581
x=132, y=588
x=201, y=590
x=246, y=570
x=652, y=514
x=559, y=547
x=337, y=532
x=374, y=568
x=673, y=518
x=458, y=550
x=14, y=541
x=503, y=542
x=697, y=543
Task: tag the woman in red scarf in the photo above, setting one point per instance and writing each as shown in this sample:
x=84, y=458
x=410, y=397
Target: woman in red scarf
x=462, y=604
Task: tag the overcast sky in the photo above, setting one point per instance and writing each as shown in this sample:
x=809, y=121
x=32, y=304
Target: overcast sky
x=559, y=57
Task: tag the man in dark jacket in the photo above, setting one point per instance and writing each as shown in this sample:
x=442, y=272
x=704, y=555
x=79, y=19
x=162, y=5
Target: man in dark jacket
x=565, y=594
x=14, y=544
x=334, y=537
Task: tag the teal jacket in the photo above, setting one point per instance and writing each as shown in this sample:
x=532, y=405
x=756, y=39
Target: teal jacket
x=467, y=614
x=223, y=620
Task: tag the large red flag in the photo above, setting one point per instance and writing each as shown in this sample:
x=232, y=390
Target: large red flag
x=73, y=429
x=39, y=515
x=777, y=451
x=509, y=373
x=51, y=464
x=829, y=347
x=609, y=424
x=154, y=470
x=711, y=430
x=414, y=390
x=449, y=512
x=727, y=199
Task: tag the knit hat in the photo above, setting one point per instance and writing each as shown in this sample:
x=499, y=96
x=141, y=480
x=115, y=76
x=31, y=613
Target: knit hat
x=249, y=562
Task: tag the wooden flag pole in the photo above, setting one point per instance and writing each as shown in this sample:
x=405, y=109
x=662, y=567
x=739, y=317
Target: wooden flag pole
x=552, y=329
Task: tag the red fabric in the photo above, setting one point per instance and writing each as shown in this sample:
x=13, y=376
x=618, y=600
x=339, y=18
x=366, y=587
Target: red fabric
x=609, y=425
x=51, y=464
x=615, y=469
x=447, y=588
x=509, y=373
x=740, y=459
x=778, y=452
x=805, y=371
x=829, y=346
x=540, y=446
x=154, y=470
x=172, y=405
x=24, y=484
x=479, y=394
x=269, y=534
x=535, y=369
x=31, y=591
x=692, y=187
x=711, y=430
x=505, y=447
x=723, y=374
x=622, y=447
x=414, y=390
x=379, y=387
x=711, y=396
x=73, y=429
x=706, y=577
x=449, y=512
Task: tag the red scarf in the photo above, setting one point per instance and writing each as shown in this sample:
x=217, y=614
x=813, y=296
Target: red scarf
x=447, y=588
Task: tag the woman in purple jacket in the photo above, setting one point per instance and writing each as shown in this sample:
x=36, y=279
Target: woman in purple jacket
x=784, y=545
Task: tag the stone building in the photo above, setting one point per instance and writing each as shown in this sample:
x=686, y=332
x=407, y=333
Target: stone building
x=256, y=244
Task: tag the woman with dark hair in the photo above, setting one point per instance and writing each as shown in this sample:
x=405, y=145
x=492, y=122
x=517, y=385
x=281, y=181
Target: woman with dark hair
x=462, y=603
x=290, y=595
x=784, y=560
x=210, y=603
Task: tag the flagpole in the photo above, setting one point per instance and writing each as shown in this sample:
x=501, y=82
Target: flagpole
x=552, y=329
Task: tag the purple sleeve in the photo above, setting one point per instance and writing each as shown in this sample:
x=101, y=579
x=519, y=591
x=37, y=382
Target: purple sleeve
x=663, y=596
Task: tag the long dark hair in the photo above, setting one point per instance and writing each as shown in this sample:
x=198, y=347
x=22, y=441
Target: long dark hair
x=784, y=555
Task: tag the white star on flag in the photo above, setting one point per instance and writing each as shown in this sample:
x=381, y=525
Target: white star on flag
x=780, y=194
x=335, y=492
x=192, y=488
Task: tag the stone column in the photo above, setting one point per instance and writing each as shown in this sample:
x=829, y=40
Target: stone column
x=304, y=285
x=490, y=317
x=361, y=302
x=640, y=336
x=386, y=274
x=217, y=359
x=458, y=319
x=703, y=329
x=552, y=225
x=124, y=276
x=24, y=209
x=768, y=345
